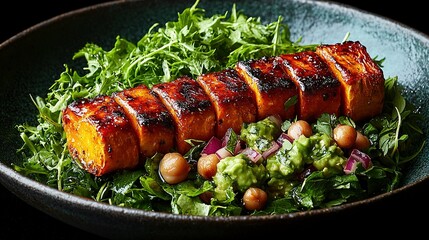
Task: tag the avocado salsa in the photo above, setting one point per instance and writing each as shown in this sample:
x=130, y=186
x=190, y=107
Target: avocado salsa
x=309, y=172
x=237, y=173
x=282, y=174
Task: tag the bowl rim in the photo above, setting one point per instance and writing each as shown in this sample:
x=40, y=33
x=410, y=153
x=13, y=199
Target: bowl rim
x=7, y=173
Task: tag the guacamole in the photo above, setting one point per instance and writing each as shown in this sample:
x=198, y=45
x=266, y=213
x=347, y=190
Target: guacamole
x=237, y=173
x=318, y=150
x=259, y=135
x=326, y=155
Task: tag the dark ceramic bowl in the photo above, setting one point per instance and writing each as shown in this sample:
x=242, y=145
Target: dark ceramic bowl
x=31, y=61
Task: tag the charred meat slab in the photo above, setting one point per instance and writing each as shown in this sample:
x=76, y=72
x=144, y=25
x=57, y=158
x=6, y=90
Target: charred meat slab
x=115, y=132
x=362, y=80
x=192, y=112
x=150, y=119
x=271, y=84
x=232, y=98
x=319, y=90
x=100, y=135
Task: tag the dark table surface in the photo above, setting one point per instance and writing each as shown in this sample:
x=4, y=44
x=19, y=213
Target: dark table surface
x=403, y=213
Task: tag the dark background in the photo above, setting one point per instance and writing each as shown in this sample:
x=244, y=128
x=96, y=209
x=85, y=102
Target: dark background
x=401, y=214
x=18, y=15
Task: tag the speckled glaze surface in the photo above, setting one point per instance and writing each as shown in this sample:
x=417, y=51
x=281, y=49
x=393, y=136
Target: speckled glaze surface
x=31, y=61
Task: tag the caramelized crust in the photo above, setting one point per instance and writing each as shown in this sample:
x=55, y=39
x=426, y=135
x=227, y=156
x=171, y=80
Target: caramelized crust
x=100, y=136
x=109, y=133
x=190, y=108
x=271, y=84
x=319, y=90
x=362, y=80
x=149, y=118
x=232, y=98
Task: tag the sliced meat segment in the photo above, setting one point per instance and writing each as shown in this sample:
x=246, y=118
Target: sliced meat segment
x=319, y=90
x=100, y=136
x=271, y=84
x=192, y=112
x=362, y=80
x=232, y=98
x=150, y=119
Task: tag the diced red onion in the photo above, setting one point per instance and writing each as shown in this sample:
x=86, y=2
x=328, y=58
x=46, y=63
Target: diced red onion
x=351, y=165
x=252, y=154
x=362, y=157
x=356, y=157
x=238, y=147
x=212, y=146
x=222, y=153
x=284, y=137
x=274, y=147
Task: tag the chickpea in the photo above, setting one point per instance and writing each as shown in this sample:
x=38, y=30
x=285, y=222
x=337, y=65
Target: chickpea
x=362, y=142
x=207, y=165
x=174, y=168
x=345, y=136
x=299, y=128
x=254, y=198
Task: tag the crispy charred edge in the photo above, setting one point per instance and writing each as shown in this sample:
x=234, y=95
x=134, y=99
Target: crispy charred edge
x=183, y=95
x=232, y=98
x=310, y=71
x=148, y=108
x=190, y=108
x=319, y=90
x=352, y=60
x=149, y=117
x=362, y=80
x=108, y=124
x=271, y=84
